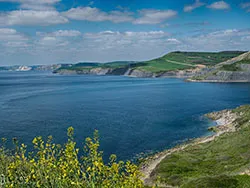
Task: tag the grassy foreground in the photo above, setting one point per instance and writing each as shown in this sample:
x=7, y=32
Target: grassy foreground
x=52, y=165
x=220, y=163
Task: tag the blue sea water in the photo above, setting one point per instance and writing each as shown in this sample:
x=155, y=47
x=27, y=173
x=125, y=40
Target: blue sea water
x=133, y=115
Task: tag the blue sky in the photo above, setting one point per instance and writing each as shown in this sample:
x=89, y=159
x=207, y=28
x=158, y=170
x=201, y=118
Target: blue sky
x=64, y=31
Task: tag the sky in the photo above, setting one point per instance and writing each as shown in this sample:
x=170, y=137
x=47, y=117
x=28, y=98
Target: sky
x=36, y=32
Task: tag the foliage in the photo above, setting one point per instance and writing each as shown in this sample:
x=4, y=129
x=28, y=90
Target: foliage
x=53, y=165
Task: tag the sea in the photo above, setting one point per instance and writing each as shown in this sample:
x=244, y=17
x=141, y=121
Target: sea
x=134, y=116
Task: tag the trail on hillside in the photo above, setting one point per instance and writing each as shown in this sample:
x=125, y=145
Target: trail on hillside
x=175, y=62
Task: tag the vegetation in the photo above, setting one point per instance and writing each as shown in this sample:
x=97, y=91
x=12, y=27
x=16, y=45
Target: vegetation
x=204, y=58
x=244, y=61
x=52, y=165
x=161, y=66
x=235, y=66
x=231, y=67
x=214, y=164
x=170, y=62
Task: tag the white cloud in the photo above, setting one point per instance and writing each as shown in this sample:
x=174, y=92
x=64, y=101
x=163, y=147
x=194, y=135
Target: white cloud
x=173, y=41
x=61, y=33
x=111, y=38
x=62, y=46
x=245, y=6
x=230, y=39
x=35, y=4
x=32, y=17
x=96, y=15
x=52, y=41
x=7, y=34
x=154, y=16
x=11, y=38
x=219, y=5
x=60, y=38
x=190, y=8
x=36, y=7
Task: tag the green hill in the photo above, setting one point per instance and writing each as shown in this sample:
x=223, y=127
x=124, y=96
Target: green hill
x=219, y=163
x=186, y=60
x=169, y=62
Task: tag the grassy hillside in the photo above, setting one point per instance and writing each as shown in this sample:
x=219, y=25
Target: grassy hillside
x=216, y=164
x=235, y=66
x=187, y=60
x=170, y=62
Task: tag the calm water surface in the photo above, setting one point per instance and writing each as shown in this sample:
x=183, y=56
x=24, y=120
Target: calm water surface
x=132, y=115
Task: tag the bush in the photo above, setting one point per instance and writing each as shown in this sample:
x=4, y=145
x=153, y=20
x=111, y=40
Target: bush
x=53, y=165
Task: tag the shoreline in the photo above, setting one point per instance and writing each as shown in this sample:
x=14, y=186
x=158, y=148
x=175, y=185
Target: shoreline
x=224, y=123
x=217, y=81
x=144, y=74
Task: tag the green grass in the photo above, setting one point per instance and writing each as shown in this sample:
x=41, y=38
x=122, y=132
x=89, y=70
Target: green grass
x=231, y=67
x=244, y=62
x=187, y=60
x=205, y=164
x=159, y=66
x=205, y=58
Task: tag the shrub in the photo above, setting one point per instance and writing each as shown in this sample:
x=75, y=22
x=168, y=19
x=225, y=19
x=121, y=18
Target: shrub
x=53, y=165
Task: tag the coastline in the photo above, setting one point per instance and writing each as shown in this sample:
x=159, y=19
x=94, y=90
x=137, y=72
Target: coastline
x=224, y=123
x=187, y=74
x=217, y=81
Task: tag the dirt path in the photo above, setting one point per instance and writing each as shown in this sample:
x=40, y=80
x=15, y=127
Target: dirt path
x=179, y=63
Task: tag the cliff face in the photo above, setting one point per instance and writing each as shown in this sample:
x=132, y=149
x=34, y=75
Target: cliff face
x=225, y=76
x=126, y=71
x=234, y=70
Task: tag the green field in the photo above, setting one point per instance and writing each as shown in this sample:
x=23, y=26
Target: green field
x=186, y=60
x=161, y=66
x=215, y=164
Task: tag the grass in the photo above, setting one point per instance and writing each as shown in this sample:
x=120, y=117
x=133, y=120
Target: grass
x=185, y=60
x=239, y=181
x=213, y=164
x=244, y=62
x=232, y=67
x=158, y=66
